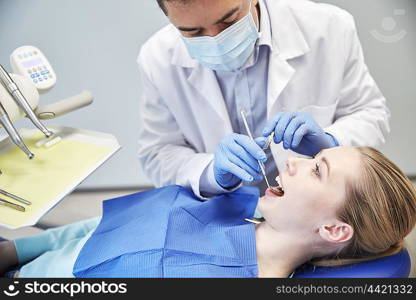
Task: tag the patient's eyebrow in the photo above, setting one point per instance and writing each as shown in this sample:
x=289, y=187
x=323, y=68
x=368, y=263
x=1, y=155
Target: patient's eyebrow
x=325, y=160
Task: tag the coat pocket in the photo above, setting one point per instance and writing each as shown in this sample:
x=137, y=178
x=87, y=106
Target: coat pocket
x=323, y=115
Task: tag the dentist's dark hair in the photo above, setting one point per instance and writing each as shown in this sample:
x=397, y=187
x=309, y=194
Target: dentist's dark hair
x=163, y=7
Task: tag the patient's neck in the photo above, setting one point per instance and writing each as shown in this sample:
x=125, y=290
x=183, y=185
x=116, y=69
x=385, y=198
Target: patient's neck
x=279, y=253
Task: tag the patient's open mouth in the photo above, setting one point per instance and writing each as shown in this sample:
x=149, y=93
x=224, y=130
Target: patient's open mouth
x=276, y=191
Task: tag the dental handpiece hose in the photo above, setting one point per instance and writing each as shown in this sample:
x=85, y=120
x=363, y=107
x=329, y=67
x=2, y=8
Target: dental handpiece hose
x=17, y=95
x=12, y=132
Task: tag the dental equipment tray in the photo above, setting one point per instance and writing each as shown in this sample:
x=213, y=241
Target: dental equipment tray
x=53, y=173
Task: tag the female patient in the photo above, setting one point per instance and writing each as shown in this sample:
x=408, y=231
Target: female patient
x=345, y=205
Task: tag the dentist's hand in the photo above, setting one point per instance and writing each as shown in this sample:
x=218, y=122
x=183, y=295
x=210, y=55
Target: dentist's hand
x=235, y=160
x=299, y=132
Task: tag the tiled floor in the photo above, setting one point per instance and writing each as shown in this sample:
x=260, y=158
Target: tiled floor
x=84, y=205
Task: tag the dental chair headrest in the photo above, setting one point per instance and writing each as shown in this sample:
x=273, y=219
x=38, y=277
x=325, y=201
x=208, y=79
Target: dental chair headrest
x=394, y=266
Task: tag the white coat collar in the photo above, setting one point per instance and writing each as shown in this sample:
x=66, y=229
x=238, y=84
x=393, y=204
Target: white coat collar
x=265, y=26
x=287, y=39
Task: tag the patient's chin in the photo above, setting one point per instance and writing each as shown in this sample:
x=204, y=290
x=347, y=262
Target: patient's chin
x=260, y=204
x=264, y=204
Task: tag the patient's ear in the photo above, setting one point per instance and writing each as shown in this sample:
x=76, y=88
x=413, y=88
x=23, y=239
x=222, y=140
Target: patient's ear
x=338, y=232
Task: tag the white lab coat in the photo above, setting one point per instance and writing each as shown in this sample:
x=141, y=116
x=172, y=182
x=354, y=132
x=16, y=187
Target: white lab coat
x=316, y=66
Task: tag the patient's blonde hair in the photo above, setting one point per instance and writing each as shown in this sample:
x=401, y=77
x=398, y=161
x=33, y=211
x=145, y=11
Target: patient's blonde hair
x=381, y=208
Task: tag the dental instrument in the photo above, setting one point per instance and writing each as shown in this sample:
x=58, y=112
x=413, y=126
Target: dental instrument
x=12, y=205
x=48, y=142
x=17, y=198
x=11, y=130
x=263, y=170
x=253, y=221
x=269, y=141
x=17, y=95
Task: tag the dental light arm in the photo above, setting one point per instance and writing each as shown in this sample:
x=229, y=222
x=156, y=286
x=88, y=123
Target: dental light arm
x=65, y=106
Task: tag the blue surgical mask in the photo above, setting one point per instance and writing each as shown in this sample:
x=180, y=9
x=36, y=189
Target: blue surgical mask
x=229, y=50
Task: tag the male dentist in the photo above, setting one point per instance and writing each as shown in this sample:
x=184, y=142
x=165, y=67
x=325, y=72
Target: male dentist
x=294, y=66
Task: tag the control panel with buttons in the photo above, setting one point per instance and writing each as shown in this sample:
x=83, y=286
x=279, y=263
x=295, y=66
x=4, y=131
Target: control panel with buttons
x=30, y=62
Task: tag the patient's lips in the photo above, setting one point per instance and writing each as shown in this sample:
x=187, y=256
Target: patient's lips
x=276, y=191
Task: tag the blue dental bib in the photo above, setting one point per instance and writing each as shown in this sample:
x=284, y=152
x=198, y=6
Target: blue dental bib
x=169, y=232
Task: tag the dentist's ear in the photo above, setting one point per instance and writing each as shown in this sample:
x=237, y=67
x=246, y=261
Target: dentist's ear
x=336, y=233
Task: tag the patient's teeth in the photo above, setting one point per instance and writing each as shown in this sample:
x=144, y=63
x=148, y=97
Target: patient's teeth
x=279, y=183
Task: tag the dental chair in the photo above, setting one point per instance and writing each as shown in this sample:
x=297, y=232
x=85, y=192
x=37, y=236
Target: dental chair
x=394, y=266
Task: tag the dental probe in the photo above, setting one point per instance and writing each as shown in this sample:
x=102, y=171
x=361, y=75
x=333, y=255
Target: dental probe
x=269, y=141
x=14, y=135
x=252, y=221
x=12, y=205
x=255, y=220
x=17, y=198
x=263, y=170
x=17, y=95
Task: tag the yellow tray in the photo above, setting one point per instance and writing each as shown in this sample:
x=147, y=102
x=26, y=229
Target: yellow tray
x=52, y=174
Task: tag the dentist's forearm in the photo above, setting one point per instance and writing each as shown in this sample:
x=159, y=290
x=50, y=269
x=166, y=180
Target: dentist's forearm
x=209, y=186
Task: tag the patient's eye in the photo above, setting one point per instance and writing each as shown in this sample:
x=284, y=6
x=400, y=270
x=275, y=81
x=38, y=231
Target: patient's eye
x=316, y=170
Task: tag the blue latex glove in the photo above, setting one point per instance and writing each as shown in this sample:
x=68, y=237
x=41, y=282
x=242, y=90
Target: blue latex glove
x=299, y=132
x=236, y=159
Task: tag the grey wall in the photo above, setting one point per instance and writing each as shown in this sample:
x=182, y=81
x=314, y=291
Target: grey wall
x=393, y=65
x=93, y=44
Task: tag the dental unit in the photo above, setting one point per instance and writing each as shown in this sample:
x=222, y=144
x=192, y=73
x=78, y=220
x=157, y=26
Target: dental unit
x=19, y=96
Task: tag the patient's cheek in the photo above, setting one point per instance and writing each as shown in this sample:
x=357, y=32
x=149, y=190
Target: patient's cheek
x=265, y=204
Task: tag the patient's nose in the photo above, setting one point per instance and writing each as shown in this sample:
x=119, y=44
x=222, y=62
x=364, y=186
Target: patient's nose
x=291, y=166
x=294, y=164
